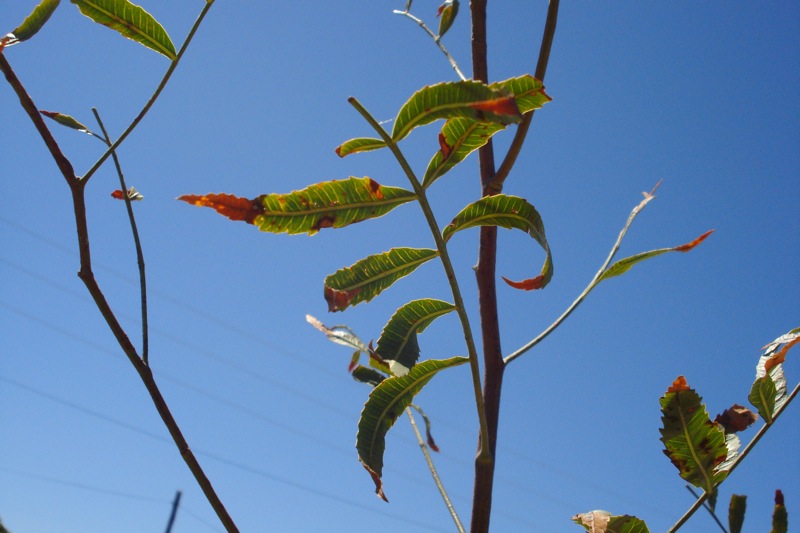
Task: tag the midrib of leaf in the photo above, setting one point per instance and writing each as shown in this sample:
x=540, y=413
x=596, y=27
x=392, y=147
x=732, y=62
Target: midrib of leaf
x=411, y=124
x=387, y=273
x=765, y=403
x=339, y=207
x=414, y=325
x=135, y=29
x=709, y=486
x=395, y=400
x=456, y=146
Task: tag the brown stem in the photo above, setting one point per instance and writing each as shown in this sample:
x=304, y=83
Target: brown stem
x=77, y=188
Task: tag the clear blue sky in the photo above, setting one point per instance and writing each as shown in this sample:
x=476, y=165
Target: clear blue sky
x=700, y=94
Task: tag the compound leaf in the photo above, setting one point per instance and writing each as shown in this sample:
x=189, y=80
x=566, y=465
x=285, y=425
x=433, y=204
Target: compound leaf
x=510, y=212
x=368, y=277
x=131, y=21
x=331, y=204
x=386, y=402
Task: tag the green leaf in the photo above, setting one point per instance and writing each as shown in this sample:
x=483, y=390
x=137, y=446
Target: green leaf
x=331, y=204
x=604, y=522
x=363, y=144
x=367, y=278
x=386, y=402
x=623, y=265
x=510, y=212
x=131, y=21
x=33, y=22
x=398, y=341
x=468, y=99
x=462, y=136
x=780, y=518
x=694, y=444
x=768, y=393
x=736, y=511
x=66, y=120
x=367, y=375
x=447, y=15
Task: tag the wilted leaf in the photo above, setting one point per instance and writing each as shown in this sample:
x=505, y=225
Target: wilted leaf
x=623, y=265
x=369, y=277
x=428, y=436
x=339, y=334
x=603, y=522
x=131, y=21
x=330, y=204
x=695, y=445
x=32, y=23
x=736, y=511
x=768, y=393
x=508, y=212
x=447, y=15
x=398, y=341
x=66, y=120
x=736, y=418
x=386, y=402
x=133, y=195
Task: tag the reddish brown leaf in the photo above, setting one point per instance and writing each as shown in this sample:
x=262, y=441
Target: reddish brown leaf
x=375, y=189
x=378, y=483
x=736, y=418
x=779, y=497
x=689, y=245
x=233, y=207
x=431, y=444
x=526, y=284
x=338, y=300
x=118, y=195
x=445, y=148
x=506, y=105
x=679, y=385
x=780, y=357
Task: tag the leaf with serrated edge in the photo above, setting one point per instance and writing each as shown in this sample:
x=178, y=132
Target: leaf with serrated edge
x=385, y=404
x=510, y=212
x=694, y=444
x=367, y=278
x=33, y=22
x=469, y=99
x=130, y=21
x=398, y=340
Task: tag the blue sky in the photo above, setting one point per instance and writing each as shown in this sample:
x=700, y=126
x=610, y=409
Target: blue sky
x=702, y=95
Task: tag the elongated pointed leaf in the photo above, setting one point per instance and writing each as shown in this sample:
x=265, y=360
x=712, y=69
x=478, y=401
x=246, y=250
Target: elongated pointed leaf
x=695, y=445
x=131, y=21
x=362, y=144
x=447, y=15
x=623, y=265
x=462, y=136
x=468, y=99
x=331, y=204
x=768, y=393
x=66, y=120
x=369, y=277
x=387, y=402
x=33, y=22
x=398, y=341
x=736, y=510
x=780, y=517
x=604, y=522
x=510, y=212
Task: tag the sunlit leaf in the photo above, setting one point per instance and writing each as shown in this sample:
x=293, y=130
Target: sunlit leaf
x=510, y=212
x=468, y=99
x=330, y=204
x=695, y=445
x=623, y=265
x=386, y=402
x=131, y=21
x=367, y=278
x=398, y=341
x=447, y=15
x=736, y=511
x=363, y=144
x=604, y=522
x=66, y=120
x=32, y=23
x=768, y=393
x=462, y=136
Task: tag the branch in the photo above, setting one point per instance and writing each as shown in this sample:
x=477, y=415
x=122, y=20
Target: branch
x=435, y=40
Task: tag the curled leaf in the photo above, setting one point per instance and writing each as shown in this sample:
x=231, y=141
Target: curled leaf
x=233, y=207
x=133, y=195
x=736, y=418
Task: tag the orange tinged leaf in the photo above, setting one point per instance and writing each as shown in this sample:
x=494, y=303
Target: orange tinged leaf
x=506, y=105
x=338, y=300
x=526, y=284
x=445, y=148
x=117, y=195
x=233, y=207
x=780, y=357
x=679, y=385
x=689, y=245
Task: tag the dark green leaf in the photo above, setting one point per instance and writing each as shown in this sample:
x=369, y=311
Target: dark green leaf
x=367, y=278
x=131, y=21
x=385, y=404
x=331, y=204
x=508, y=212
x=736, y=511
x=398, y=341
x=695, y=445
x=33, y=22
x=367, y=375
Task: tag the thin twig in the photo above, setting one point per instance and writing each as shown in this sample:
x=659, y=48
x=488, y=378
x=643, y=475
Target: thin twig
x=761, y=432
x=446, y=263
x=434, y=473
x=136, y=241
x=592, y=284
x=155, y=95
x=435, y=38
x=708, y=508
